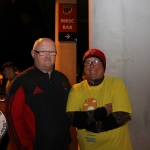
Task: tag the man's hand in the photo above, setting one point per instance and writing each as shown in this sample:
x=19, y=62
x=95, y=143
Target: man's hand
x=108, y=108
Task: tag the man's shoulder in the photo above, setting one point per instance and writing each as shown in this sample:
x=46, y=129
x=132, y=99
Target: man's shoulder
x=114, y=80
x=58, y=73
x=81, y=84
x=25, y=75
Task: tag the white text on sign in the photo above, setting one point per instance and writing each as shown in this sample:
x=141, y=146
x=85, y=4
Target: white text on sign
x=67, y=21
x=67, y=27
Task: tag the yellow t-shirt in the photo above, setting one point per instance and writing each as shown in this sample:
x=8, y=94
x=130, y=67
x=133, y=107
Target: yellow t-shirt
x=83, y=97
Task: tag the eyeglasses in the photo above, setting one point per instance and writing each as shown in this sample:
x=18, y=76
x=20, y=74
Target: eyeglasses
x=43, y=53
x=95, y=62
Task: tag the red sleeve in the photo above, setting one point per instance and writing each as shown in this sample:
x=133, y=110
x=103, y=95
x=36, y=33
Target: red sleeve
x=21, y=124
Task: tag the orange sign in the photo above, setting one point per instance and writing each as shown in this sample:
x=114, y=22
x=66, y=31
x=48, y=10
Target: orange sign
x=67, y=18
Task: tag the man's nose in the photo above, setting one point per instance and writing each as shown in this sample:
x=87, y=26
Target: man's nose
x=92, y=64
x=48, y=54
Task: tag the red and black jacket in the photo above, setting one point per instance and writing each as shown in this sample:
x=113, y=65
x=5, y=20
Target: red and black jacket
x=36, y=110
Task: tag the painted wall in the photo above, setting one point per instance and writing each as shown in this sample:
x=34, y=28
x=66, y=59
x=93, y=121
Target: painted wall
x=121, y=28
x=66, y=51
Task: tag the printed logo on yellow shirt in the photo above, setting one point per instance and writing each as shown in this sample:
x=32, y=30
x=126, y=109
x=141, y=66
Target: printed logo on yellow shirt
x=89, y=104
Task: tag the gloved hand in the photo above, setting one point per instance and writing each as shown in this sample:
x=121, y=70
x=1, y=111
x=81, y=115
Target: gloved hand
x=91, y=127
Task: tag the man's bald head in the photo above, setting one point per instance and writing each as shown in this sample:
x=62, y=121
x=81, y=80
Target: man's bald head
x=44, y=54
x=40, y=40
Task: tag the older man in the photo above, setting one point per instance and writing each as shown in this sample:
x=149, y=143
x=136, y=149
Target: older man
x=37, y=102
x=99, y=107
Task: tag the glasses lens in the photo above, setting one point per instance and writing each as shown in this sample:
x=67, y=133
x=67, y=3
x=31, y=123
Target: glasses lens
x=52, y=53
x=87, y=63
x=42, y=53
x=95, y=62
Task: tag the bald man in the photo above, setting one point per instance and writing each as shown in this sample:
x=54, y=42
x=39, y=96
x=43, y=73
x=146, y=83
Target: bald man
x=37, y=103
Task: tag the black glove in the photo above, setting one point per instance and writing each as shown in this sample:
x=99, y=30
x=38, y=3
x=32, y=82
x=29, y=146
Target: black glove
x=91, y=127
x=83, y=118
x=100, y=113
x=80, y=119
x=107, y=124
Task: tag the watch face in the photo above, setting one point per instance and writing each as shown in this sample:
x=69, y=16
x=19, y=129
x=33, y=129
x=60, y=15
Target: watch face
x=3, y=125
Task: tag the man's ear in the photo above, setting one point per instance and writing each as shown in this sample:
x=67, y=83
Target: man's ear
x=32, y=53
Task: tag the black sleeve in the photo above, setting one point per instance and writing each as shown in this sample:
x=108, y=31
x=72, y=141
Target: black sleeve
x=81, y=119
x=100, y=114
x=77, y=118
x=113, y=121
x=109, y=123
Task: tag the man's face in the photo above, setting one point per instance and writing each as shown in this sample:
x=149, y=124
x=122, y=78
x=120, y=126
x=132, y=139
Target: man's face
x=7, y=72
x=45, y=62
x=93, y=68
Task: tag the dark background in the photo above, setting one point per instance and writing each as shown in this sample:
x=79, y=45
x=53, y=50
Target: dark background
x=24, y=21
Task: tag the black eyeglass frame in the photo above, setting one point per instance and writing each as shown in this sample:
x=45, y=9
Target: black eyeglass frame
x=45, y=52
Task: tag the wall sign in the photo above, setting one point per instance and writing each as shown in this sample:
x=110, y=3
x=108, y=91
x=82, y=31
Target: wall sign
x=67, y=27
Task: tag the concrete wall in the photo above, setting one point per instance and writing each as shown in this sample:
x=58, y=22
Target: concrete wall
x=121, y=28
